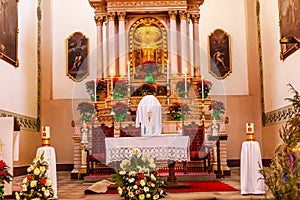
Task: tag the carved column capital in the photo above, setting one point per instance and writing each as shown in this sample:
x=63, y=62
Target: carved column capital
x=99, y=20
x=172, y=14
x=195, y=18
x=183, y=15
x=111, y=16
x=121, y=16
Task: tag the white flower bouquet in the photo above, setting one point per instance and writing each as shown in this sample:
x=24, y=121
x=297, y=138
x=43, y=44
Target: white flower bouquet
x=36, y=185
x=137, y=178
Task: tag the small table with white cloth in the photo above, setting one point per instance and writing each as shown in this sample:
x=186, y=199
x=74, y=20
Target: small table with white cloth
x=251, y=180
x=165, y=148
x=49, y=154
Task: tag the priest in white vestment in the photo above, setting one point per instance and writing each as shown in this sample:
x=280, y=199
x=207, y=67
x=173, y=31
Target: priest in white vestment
x=149, y=116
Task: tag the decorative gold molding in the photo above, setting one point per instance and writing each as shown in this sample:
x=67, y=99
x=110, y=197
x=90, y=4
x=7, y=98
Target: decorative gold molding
x=121, y=16
x=111, y=16
x=25, y=122
x=99, y=20
x=183, y=15
x=172, y=14
x=195, y=18
x=145, y=3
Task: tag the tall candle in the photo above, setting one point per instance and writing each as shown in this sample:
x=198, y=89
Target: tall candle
x=168, y=81
x=128, y=71
x=95, y=91
x=45, y=135
x=185, y=85
x=202, y=88
x=112, y=84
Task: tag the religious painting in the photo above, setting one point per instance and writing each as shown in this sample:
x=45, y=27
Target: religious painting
x=289, y=21
x=9, y=32
x=148, y=49
x=219, y=54
x=77, y=60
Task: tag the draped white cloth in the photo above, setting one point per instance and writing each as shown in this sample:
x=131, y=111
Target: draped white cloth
x=149, y=116
x=251, y=180
x=161, y=148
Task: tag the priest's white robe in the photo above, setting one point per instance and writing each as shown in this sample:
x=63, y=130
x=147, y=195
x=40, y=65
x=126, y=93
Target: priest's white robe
x=149, y=104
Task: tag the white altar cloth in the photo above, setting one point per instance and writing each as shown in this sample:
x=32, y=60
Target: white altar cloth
x=250, y=162
x=50, y=155
x=174, y=148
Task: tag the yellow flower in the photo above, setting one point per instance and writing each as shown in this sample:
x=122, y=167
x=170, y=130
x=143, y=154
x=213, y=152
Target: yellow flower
x=148, y=196
x=48, y=182
x=141, y=196
x=42, y=168
x=135, y=151
x=47, y=193
x=25, y=180
x=156, y=196
x=130, y=194
x=143, y=183
x=30, y=168
x=36, y=171
x=33, y=183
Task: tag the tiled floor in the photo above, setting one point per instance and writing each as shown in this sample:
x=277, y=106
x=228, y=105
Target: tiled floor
x=74, y=189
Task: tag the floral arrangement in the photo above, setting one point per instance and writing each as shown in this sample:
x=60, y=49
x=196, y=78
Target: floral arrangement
x=176, y=110
x=120, y=88
x=36, y=185
x=120, y=110
x=5, y=176
x=149, y=67
x=86, y=109
x=180, y=86
x=217, y=108
x=137, y=178
x=207, y=85
x=147, y=88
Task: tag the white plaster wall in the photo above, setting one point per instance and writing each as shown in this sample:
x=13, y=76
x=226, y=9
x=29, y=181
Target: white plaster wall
x=18, y=86
x=69, y=17
x=218, y=14
x=277, y=73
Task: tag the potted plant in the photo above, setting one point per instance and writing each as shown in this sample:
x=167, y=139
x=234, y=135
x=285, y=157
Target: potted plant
x=180, y=86
x=120, y=110
x=149, y=70
x=120, y=88
x=138, y=178
x=207, y=85
x=5, y=176
x=86, y=110
x=217, y=108
x=178, y=110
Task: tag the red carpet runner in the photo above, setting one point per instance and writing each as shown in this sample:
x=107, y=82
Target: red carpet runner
x=207, y=186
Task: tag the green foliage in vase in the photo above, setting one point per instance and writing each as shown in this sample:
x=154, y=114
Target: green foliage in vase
x=283, y=175
x=5, y=176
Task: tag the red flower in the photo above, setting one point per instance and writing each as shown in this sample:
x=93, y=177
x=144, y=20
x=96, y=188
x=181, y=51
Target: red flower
x=2, y=172
x=115, y=79
x=2, y=164
x=141, y=175
x=138, y=182
x=43, y=181
x=29, y=178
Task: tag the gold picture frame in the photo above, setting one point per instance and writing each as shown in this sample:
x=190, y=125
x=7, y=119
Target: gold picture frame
x=9, y=32
x=77, y=56
x=219, y=51
x=289, y=22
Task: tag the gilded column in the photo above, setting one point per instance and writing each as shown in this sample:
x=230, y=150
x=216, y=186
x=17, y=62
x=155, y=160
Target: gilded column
x=100, y=69
x=122, y=44
x=172, y=44
x=183, y=42
x=196, y=53
x=111, y=43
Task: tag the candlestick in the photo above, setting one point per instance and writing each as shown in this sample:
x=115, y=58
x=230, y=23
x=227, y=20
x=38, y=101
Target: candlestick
x=112, y=85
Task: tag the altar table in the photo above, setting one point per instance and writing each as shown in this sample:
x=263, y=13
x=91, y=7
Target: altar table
x=251, y=180
x=165, y=148
x=49, y=154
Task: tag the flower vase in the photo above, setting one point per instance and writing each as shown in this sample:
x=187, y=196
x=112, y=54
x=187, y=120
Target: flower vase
x=178, y=117
x=215, y=115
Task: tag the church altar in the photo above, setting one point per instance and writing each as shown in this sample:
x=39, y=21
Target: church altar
x=146, y=63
